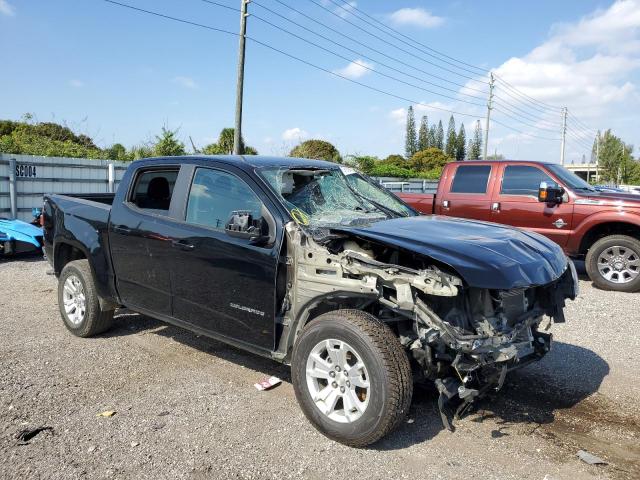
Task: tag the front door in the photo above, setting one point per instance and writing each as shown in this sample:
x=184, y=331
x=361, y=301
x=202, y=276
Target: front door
x=516, y=203
x=222, y=283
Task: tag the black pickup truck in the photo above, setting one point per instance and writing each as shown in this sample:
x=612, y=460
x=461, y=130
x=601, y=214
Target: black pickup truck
x=294, y=260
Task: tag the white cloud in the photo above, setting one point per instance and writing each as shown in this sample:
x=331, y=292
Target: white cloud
x=294, y=134
x=6, y=8
x=186, y=82
x=416, y=17
x=356, y=69
x=75, y=83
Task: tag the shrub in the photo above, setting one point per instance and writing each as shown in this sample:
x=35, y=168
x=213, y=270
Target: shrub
x=318, y=150
x=429, y=159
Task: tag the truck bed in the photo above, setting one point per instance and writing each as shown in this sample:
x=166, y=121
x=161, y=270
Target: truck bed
x=422, y=202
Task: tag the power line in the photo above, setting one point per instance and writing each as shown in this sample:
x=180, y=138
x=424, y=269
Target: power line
x=516, y=111
x=523, y=133
x=368, y=47
x=537, y=127
x=532, y=100
x=319, y=5
x=294, y=57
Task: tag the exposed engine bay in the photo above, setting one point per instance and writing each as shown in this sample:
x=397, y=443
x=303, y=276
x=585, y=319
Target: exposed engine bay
x=464, y=339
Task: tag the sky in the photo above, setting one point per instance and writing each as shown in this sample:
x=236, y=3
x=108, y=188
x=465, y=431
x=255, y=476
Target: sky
x=120, y=75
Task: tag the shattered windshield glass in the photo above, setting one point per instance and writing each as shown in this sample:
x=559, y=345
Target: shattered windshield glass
x=322, y=197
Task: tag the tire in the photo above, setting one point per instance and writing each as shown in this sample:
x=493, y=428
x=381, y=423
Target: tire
x=615, y=246
x=77, y=278
x=361, y=338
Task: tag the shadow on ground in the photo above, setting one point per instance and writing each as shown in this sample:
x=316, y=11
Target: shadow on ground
x=565, y=377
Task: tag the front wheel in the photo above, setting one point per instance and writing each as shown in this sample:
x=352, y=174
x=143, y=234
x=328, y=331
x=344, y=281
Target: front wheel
x=613, y=263
x=351, y=377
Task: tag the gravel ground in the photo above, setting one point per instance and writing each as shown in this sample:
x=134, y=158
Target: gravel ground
x=186, y=406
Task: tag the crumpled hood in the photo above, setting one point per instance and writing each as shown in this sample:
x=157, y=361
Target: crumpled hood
x=486, y=255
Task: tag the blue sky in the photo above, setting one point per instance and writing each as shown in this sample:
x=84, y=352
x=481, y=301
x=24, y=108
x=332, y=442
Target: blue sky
x=119, y=75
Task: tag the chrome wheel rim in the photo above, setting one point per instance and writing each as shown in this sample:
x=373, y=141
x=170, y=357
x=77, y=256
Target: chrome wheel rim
x=619, y=264
x=74, y=300
x=338, y=381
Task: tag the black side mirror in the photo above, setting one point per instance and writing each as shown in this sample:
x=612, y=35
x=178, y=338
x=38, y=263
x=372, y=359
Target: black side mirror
x=243, y=225
x=550, y=195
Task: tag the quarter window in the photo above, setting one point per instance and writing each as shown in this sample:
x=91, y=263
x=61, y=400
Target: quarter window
x=215, y=195
x=523, y=180
x=471, y=179
x=153, y=190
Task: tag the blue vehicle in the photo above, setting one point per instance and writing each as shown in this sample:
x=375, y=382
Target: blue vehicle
x=17, y=236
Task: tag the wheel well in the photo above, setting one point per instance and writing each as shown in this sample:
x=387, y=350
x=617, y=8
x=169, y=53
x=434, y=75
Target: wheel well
x=64, y=254
x=606, y=229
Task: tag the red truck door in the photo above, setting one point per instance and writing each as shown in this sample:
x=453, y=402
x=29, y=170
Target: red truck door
x=515, y=202
x=465, y=191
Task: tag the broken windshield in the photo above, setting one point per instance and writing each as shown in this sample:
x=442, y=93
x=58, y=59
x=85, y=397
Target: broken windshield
x=321, y=197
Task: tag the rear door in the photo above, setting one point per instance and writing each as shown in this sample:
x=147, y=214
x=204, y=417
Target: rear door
x=516, y=203
x=141, y=229
x=467, y=192
x=225, y=284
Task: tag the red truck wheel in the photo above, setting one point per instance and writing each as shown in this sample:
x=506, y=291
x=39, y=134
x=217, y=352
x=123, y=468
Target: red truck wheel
x=613, y=263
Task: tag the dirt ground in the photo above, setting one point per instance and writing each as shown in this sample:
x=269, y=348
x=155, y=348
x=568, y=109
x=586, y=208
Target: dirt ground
x=186, y=406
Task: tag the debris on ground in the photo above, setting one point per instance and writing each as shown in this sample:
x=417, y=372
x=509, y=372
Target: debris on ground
x=107, y=413
x=267, y=383
x=135, y=444
x=590, y=458
x=23, y=436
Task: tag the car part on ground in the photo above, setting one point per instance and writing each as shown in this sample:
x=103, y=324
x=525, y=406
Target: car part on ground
x=17, y=237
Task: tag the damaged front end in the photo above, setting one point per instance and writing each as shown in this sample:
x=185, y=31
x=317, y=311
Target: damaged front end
x=463, y=338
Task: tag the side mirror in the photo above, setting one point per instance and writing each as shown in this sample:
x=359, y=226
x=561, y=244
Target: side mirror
x=551, y=195
x=243, y=225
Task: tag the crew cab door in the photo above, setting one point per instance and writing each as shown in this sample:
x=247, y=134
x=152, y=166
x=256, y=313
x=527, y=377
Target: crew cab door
x=221, y=283
x=516, y=203
x=466, y=192
x=140, y=231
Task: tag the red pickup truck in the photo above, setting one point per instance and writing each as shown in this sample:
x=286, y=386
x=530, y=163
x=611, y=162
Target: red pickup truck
x=602, y=228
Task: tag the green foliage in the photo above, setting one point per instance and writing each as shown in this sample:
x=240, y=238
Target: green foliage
x=411, y=139
x=395, y=159
x=225, y=144
x=423, y=134
x=439, y=137
x=615, y=159
x=24, y=140
x=429, y=159
x=461, y=144
x=365, y=163
x=475, y=144
x=141, y=151
x=214, y=149
x=318, y=150
x=452, y=138
x=167, y=144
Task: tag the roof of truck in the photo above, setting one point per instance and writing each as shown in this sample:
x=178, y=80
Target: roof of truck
x=243, y=161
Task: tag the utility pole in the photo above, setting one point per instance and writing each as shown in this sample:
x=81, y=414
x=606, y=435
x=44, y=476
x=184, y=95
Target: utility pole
x=237, y=132
x=489, y=107
x=564, y=134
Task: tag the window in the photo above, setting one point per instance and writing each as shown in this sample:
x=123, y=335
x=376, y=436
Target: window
x=523, y=180
x=153, y=190
x=471, y=179
x=215, y=195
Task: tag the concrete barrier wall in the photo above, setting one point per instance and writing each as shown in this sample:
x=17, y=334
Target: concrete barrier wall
x=24, y=179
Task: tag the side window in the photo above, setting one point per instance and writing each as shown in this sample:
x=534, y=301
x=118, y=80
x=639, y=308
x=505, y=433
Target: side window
x=523, y=180
x=215, y=195
x=471, y=179
x=153, y=190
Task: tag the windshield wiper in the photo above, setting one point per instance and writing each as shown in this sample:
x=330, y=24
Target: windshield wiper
x=389, y=212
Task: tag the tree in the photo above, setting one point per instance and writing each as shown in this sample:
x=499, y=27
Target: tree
x=432, y=136
x=364, y=163
x=317, y=149
x=475, y=145
x=117, y=151
x=411, y=141
x=452, y=138
x=429, y=159
x=394, y=159
x=461, y=144
x=423, y=134
x=225, y=145
x=615, y=159
x=167, y=145
x=439, y=140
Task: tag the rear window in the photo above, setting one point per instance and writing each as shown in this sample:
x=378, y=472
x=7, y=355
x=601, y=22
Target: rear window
x=153, y=190
x=471, y=179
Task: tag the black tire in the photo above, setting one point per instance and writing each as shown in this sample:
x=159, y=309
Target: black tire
x=591, y=262
x=389, y=372
x=95, y=319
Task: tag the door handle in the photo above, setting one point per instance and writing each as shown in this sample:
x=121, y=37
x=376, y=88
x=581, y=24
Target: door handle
x=182, y=245
x=122, y=230
x=445, y=204
x=495, y=207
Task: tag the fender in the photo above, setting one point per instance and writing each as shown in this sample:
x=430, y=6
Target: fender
x=597, y=219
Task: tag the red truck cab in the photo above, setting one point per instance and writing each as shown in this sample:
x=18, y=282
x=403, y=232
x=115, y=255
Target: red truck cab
x=602, y=228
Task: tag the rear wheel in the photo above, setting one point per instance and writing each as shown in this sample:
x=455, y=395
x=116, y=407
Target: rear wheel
x=351, y=377
x=78, y=301
x=613, y=263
